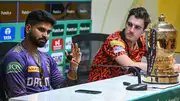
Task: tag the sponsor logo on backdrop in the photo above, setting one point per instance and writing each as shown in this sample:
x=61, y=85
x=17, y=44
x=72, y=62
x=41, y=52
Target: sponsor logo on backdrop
x=58, y=30
x=25, y=12
x=84, y=27
x=57, y=9
x=58, y=57
x=84, y=10
x=68, y=43
x=5, y=13
x=7, y=33
x=71, y=29
x=57, y=44
x=8, y=12
x=45, y=48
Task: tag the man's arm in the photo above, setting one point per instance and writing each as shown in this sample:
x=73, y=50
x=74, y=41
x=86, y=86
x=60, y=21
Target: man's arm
x=116, y=50
x=176, y=66
x=124, y=60
x=14, y=77
x=56, y=80
x=74, y=59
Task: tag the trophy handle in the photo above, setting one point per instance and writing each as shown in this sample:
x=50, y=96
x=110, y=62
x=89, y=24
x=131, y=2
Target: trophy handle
x=151, y=50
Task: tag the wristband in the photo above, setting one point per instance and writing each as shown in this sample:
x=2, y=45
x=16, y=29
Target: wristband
x=71, y=77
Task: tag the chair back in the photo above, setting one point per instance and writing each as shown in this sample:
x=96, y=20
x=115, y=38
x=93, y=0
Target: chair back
x=4, y=48
x=89, y=44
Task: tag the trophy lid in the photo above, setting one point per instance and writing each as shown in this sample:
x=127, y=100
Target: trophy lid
x=163, y=26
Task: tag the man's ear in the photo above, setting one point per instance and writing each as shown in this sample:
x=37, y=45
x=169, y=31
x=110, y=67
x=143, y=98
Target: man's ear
x=28, y=28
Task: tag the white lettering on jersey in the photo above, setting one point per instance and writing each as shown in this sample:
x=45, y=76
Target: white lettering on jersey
x=36, y=82
x=29, y=81
x=47, y=81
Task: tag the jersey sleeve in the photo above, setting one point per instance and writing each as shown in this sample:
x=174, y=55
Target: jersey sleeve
x=14, y=76
x=114, y=48
x=56, y=80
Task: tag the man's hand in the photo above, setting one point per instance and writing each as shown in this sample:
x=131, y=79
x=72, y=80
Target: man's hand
x=176, y=68
x=74, y=61
x=76, y=56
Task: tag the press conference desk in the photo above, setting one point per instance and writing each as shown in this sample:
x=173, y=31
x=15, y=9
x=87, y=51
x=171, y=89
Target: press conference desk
x=112, y=90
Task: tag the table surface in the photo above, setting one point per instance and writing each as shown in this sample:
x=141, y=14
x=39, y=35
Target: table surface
x=112, y=90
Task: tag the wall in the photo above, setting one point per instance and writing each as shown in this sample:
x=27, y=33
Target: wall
x=110, y=15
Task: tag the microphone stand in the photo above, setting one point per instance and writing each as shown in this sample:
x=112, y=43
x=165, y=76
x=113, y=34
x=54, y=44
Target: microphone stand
x=139, y=86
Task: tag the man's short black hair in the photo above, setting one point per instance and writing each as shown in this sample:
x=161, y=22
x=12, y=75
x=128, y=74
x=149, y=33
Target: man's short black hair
x=140, y=13
x=38, y=16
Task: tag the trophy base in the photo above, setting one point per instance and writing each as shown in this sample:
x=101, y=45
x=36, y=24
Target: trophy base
x=154, y=79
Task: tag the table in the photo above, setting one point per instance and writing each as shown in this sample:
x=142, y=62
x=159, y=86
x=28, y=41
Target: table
x=112, y=90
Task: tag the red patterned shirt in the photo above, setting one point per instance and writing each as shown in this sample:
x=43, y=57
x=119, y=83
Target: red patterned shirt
x=114, y=46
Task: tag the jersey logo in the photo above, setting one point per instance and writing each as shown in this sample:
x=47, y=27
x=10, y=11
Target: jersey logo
x=117, y=42
x=33, y=69
x=14, y=67
x=118, y=49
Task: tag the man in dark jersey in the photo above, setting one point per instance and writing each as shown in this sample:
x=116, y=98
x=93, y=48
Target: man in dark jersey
x=123, y=48
x=26, y=70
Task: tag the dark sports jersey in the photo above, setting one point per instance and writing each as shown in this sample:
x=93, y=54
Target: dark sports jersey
x=23, y=74
x=114, y=46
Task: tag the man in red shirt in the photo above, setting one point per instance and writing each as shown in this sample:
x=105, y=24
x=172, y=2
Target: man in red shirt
x=122, y=48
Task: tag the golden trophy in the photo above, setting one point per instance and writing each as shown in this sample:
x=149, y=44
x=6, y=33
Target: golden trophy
x=161, y=39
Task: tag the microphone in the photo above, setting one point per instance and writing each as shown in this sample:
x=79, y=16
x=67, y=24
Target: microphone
x=69, y=57
x=139, y=86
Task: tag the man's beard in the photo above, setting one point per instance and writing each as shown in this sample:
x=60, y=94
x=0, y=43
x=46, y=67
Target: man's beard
x=38, y=42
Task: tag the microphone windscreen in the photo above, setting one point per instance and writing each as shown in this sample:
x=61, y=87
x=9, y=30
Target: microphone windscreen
x=132, y=70
x=69, y=57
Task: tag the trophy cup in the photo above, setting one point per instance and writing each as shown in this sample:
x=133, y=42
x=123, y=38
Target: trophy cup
x=161, y=39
